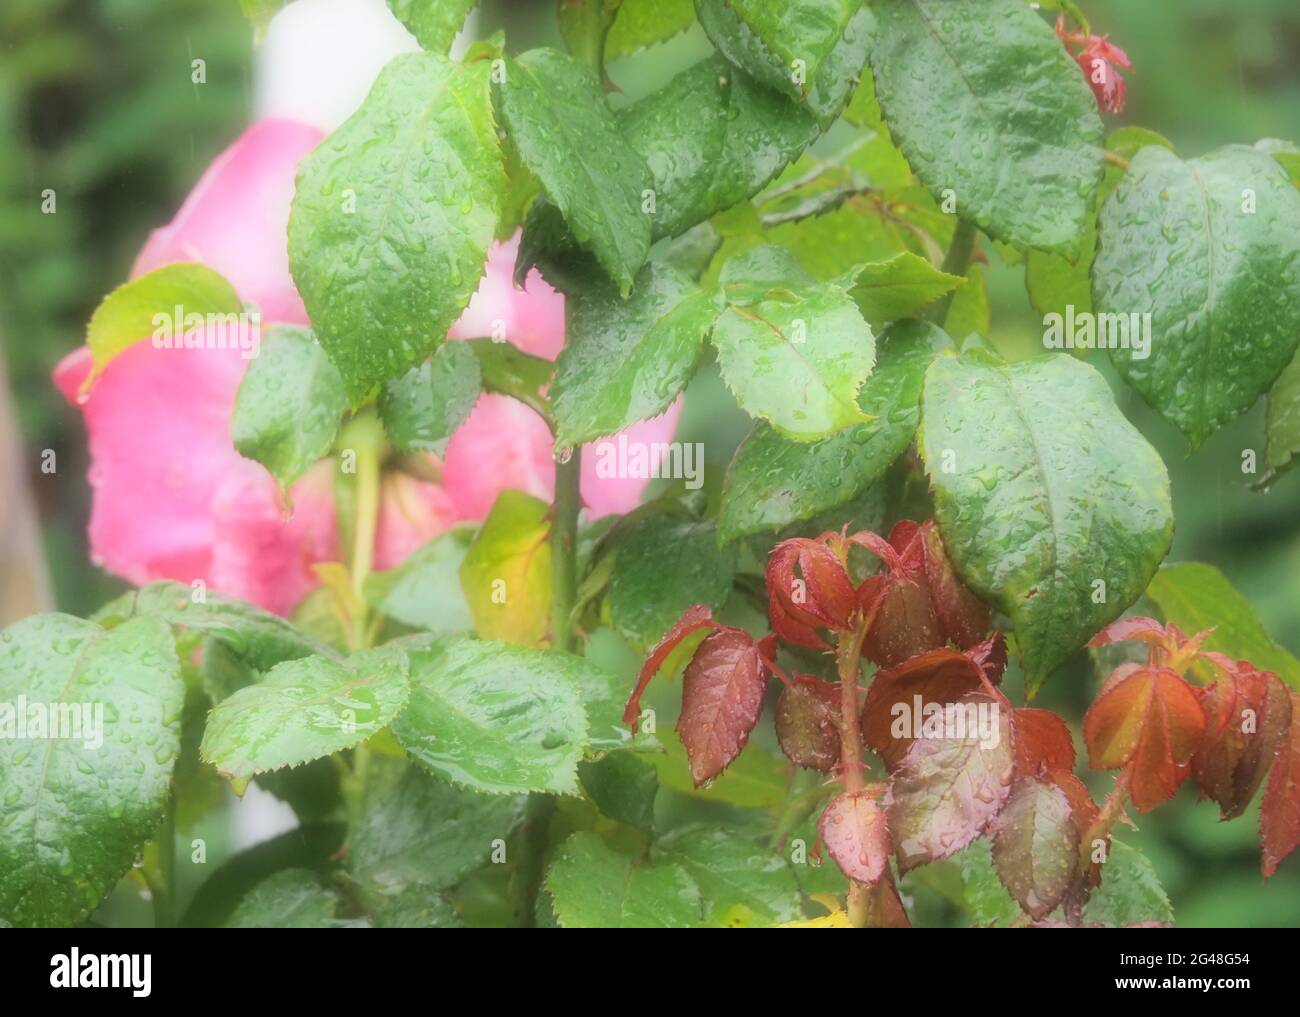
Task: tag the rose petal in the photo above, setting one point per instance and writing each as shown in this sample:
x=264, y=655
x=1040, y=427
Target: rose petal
x=234, y=221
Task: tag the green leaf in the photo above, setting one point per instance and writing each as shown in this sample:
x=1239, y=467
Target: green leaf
x=756, y=780
x=772, y=482
x=260, y=13
x=899, y=287
x=256, y=638
x=627, y=361
x=1130, y=891
x=733, y=872
x=1282, y=424
x=782, y=43
x=494, y=717
x=1034, y=513
x=1054, y=282
x=986, y=899
x=623, y=786
x=1020, y=150
x=663, y=566
x=289, y=405
x=642, y=23
x=1177, y=240
x=817, y=54
x=416, y=907
x=132, y=311
x=555, y=111
x=506, y=574
x=425, y=592
x=712, y=138
x=423, y=407
x=422, y=831
x=393, y=217
x=434, y=23
x=89, y=734
x=303, y=710
x=1287, y=153
x=1196, y=597
x=290, y=899
x=507, y=370
x=797, y=358
x=595, y=887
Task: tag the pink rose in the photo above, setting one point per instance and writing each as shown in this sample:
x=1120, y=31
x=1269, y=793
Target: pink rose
x=171, y=497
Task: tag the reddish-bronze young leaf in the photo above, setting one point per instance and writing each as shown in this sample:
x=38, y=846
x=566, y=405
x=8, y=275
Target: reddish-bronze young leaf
x=807, y=723
x=1170, y=648
x=854, y=831
x=1083, y=810
x=946, y=790
x=1042, y=742
x=1248, y=715
x=1279, y=813
x=905, y=624
x=1149, y=719
x=818, y=595
x=697, y=616
x=722, y=697
x=1036, y=845
x=900, y=698
x=963, y=617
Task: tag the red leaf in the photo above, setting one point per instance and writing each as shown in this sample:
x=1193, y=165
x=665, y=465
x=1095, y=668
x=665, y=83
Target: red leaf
x=1279, y=813
x=855, y=834
x=946, y=790
x=1136, y=628
x=722, y=697
x=1248, y=715
x=820, y=595
x=1042, y=741
x=938, y=677
x=1036, y=845
x=697, y=616
x=1084, y=811
x=963, y=617
x=1152, y=719
x=904, y=625
x=807, y=723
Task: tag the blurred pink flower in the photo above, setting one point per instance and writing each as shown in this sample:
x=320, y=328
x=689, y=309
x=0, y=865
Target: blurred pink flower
x=171, y=497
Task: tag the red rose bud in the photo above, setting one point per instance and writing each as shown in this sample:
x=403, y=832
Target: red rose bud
x=808, y=588
x=1099, y=57
x=919, y=604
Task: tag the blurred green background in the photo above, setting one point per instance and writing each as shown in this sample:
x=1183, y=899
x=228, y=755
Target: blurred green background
x=96, y=102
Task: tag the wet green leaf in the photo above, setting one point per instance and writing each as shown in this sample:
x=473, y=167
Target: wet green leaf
x=1206, y=247
x=393, y=216
x=1020, y=152
x=506, y=573
x=595, y=887
x=89, y=735
x=289, y=405
x=290, y=899
x=733, y=872
x=1034, y=513
x=425, y=591
x=423, y=407
x=434, y=23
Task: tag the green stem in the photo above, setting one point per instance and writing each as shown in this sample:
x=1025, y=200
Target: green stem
x=364, y=436
x=164, y=893
x=584, y=24
x=564, y=541
x=957, y=262
x=537, y=828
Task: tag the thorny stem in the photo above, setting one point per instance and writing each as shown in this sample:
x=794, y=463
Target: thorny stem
x=564, y=565
x=1112, y=809
x=564, y=592
x=848, y=659
x=956, y=262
